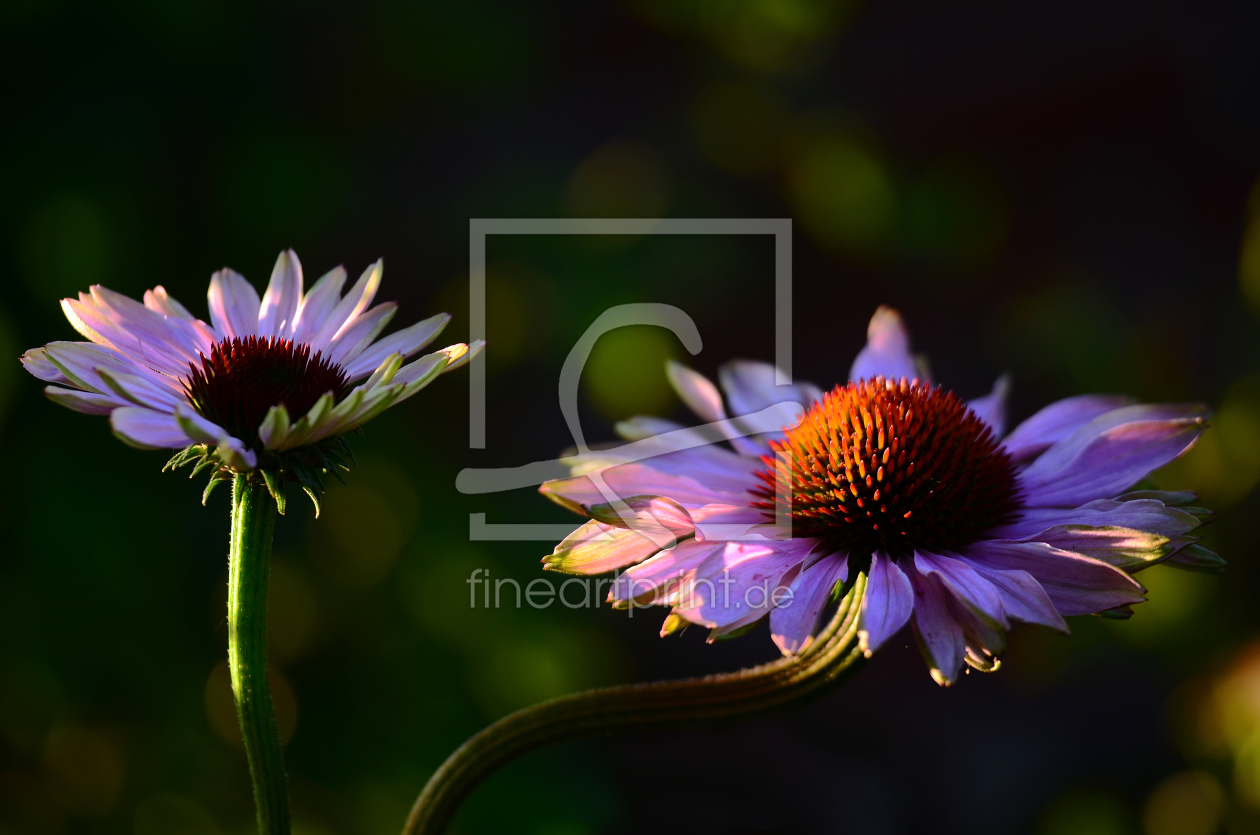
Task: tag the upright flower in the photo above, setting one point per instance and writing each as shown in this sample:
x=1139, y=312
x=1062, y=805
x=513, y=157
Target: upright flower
x=261, y=397
x=268, y=385
x=960, y=529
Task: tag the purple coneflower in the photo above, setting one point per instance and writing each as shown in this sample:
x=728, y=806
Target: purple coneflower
x=960, y=528
x=261, y=397
x=269, y=384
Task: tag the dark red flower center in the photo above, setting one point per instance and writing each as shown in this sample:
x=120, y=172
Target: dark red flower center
x=244, y=377
x=894, y=466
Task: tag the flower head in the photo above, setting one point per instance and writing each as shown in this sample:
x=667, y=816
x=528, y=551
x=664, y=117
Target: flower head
x=269, y=384
x=961, y=529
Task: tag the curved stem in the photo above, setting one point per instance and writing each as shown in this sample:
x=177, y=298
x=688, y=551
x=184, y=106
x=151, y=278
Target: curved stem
x=825, y=663
x=253, y=522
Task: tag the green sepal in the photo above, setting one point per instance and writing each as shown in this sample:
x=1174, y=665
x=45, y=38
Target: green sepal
x=1197, y=558
x=180, y=458
x=1119, y=613
x=275, y=486
x=314, y=498
x=734, y=633
x=215, y=480
x=207, y=461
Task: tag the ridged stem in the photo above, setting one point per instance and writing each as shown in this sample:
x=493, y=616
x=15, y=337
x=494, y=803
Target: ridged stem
x=253, y=523
x=825, y=663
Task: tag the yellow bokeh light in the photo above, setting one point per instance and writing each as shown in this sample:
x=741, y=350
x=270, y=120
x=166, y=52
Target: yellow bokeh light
x=625, y=375
x=1187, y=803
x=842, y=193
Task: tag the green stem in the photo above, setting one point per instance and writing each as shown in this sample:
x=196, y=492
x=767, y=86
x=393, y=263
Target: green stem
x=824, y=664
x=253, y=522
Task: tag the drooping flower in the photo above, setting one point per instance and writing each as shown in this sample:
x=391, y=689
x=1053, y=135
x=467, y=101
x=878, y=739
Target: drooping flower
x=269, y=384
x=961, y=529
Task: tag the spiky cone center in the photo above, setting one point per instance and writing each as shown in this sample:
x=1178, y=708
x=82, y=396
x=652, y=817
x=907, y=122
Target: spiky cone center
x=889, y=465
x=244, y=377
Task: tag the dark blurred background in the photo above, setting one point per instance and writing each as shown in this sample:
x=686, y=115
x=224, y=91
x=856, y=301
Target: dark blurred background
x=1061, y=191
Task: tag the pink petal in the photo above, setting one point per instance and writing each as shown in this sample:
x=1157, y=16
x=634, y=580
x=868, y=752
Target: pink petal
x=887, y=351
x=728, y=521
x=941, y=637
x=350, y=307
x=627, y=480
x=1097, y=464
x=318, y=304
x=356, y=336
x=140, y=390
x=422, y=367
x=650, y=580
x=794, y=623
x=137, y=332
x=662, y=520
x=36, y=362
x=87, y=402
x=697, y=391
x=715, y=467
x=596, y=548
x=80, y=363
x=887, y=605
x=147, y=429
x=740, y=583
x=406, y=342
x=1125, y=548
x=992, y=407
x=234, y=304
x=204, y=336
x=750, y=387
x=160, y=301
x=962, y=581
x=278, y=309
x=1076, y=585
x=1143, y=514
x=139, y=319
x=1023, y=598
x=1058, y=420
